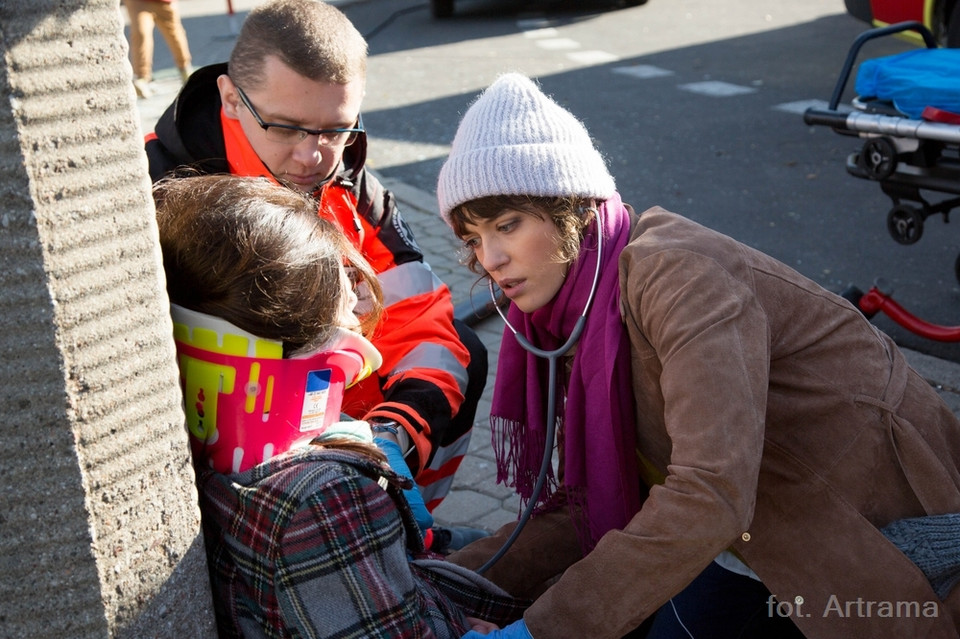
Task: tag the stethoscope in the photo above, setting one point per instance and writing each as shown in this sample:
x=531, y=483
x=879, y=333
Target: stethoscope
x=552, y=356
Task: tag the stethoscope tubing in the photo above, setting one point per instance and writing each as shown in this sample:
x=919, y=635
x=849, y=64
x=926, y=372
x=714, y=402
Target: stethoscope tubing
x=552, y=357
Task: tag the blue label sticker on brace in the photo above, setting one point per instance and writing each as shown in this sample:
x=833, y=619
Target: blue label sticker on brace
x=315, y=400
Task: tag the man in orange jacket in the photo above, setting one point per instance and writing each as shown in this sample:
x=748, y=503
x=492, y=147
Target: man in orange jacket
x=286, y=107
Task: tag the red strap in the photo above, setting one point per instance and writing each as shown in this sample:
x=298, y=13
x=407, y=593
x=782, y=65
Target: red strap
x=933, y=114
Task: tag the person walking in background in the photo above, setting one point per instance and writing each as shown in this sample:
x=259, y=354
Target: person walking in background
x=286, y=107
x=741, y=453
x=165, y=14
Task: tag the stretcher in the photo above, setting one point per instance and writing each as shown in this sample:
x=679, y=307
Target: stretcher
x=907, y=114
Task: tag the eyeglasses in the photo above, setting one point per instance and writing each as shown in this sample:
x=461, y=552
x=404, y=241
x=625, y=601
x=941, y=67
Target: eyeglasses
x=290, y=134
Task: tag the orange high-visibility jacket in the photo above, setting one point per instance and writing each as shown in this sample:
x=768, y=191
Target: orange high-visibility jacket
x=422, y=380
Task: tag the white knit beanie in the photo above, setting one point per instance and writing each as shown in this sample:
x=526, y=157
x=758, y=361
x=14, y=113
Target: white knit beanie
x=514, y=140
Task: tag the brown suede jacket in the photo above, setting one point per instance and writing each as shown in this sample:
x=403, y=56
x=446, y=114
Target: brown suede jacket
x=775, y=420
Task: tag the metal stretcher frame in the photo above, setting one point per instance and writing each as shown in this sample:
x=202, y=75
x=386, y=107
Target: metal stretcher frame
x=904, y=155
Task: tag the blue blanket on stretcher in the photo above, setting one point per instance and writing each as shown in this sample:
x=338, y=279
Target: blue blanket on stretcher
x=913, y=80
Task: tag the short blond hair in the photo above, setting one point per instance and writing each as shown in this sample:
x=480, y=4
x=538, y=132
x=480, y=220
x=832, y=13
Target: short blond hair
x=311, y=37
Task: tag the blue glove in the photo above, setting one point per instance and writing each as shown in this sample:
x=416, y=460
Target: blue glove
x=399, y=465
x=516, y=630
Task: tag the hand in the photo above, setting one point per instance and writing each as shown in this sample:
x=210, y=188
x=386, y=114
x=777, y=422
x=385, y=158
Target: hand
x=481, y=626
x=395, y=458
x=516, y=630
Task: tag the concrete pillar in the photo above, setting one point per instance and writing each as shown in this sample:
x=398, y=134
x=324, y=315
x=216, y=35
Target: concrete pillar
x=99, y=524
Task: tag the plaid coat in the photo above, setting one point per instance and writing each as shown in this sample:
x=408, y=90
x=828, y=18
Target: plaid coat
x=318, y=543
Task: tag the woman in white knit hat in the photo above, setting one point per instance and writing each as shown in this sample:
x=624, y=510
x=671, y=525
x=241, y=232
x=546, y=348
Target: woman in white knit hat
x=733, y=439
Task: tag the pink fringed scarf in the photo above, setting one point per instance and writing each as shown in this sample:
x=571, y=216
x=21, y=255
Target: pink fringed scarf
x=595, y=410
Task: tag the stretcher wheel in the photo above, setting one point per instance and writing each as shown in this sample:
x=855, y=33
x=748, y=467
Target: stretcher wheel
x=878, y=158
x=905, y=223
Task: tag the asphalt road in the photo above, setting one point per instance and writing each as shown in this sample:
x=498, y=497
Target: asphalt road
x=698, y=107
x=696, y=104
x=739, y=160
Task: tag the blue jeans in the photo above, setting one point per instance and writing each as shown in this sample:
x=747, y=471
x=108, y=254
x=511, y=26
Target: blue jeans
x=720, y=604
